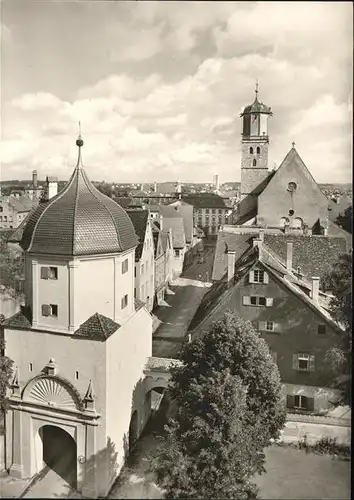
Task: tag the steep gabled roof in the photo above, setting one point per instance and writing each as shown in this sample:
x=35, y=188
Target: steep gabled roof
x=139, y=219
x=97, y=327
x=178, y=235
x=16, y=235
x=219, y=293
x=291, y=158
x=225, y=242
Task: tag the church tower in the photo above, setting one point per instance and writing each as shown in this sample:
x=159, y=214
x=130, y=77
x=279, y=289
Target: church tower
x=255, y=140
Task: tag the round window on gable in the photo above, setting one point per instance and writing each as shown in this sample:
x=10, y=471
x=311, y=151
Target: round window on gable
x=291, y=212
x=292, y=187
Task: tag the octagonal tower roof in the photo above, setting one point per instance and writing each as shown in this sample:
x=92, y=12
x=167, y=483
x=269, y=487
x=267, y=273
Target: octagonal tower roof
x=79, y=220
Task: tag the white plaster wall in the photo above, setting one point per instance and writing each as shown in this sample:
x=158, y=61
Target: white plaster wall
x=295, y=431
x=322, y=395
x=87, y=357
x=146, y=278
x=127, y=353
x=53, y=292
x=99, y=286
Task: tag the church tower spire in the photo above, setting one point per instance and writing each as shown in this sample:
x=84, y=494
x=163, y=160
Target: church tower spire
x=255, y=140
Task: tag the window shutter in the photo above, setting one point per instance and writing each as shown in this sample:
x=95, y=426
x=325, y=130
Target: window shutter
x=290, y=401
x=261, y=326
x=312, y=364
x=44, y=273
x=45, y=310
x=246, y=301
x=265, y=278
x=269, y=301
x=251, y=277
x=310, y=404
x=295, y=362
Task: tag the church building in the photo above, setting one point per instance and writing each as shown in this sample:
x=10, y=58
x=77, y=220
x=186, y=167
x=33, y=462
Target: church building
x=81, y=343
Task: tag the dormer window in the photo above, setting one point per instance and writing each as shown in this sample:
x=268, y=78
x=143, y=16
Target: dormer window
x=49, y=273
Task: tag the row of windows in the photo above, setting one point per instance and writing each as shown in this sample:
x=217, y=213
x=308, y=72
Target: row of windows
x=258, y=150
x=208, y=210
x=52, y=309
x=271, y=326
x=299, y=402
x=255, y=300
x=51, y=272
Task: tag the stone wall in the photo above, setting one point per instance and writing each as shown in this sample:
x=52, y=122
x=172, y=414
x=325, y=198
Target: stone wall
x=315, y=428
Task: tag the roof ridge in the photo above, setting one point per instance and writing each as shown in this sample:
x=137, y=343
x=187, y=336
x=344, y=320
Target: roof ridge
x=89, y=185
x=50, y=203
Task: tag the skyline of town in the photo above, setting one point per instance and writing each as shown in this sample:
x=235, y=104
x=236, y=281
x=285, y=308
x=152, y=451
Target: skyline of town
x=166, y=105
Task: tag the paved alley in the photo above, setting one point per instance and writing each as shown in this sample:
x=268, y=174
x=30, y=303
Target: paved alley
x=174, y=317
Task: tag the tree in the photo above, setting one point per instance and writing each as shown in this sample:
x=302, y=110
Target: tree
x=229, y=406
x=105, y=189
x=6, y=365
x=345, y=220
x=339, y=357
x=11, y=268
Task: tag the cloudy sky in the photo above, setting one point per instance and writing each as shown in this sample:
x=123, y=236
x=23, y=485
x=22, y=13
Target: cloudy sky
x=158, y=86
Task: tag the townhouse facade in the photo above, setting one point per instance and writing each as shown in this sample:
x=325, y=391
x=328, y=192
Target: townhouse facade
x=163, y=262
x=144, y=272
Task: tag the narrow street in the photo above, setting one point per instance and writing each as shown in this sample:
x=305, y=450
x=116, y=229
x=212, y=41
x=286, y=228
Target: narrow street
x=173, y=318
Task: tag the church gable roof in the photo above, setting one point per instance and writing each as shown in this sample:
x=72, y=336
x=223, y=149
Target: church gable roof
x=292, y=169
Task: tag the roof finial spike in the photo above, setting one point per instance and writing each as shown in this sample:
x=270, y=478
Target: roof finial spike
x=256, y=88
x=79, y=144
x=293, y=144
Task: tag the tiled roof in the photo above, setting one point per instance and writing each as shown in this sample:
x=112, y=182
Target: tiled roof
x=161, y=364
x=178, y=236
x=335, y=230
x=79, y=220
x=17, y=234
x=97, y=327
x=139, y=219
x=22, y=319
x=182, y=210
x=138, y=304
x=206, y=201
x=123, y=201
x=257, y=107
x=23, y=203
x=313, y=254
x=238, y=243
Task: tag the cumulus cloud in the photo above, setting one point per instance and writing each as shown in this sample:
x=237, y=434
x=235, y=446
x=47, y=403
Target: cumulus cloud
x=146, y=117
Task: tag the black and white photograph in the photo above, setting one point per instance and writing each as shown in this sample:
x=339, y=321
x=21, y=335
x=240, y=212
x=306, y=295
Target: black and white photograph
x=176, y=249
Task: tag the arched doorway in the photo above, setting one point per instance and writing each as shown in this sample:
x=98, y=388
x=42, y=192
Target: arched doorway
x=59, y=453
x=133, y=430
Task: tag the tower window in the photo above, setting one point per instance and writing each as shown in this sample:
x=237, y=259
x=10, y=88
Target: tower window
x=291, y=212
x=251, y=150
x=77, y=375
x=124, y=302
x=125, y=266
x=254, y=162
x=258, y=150
x=30, y=367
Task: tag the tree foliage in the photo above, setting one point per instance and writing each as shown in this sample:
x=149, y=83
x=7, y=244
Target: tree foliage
x=339, y=358
x=229, y=406
x=11, y=268
x=345, y=220
x=6, y=365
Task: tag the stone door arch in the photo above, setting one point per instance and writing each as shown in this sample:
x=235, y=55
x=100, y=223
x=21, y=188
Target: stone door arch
x=59, y=452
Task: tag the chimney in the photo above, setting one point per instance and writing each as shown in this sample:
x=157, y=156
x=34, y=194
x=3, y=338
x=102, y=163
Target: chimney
x=34, y=179
x=289, y=256
x=315, y=288
x=231, y=259
x=51, y=187
x=257, y=242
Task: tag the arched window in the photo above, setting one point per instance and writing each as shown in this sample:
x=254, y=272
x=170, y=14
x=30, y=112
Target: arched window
x=297, y=223
x=251, y=150
x=254, y=162
x=283, y=221
x=258, y=150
